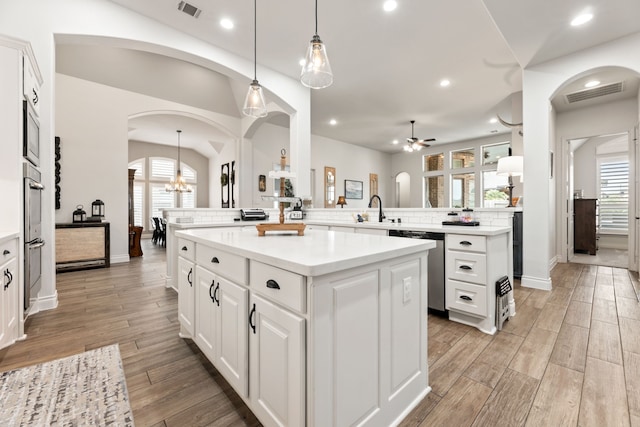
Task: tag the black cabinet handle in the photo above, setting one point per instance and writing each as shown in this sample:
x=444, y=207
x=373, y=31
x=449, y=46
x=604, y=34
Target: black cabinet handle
x=6, y=252
x=8, y=274
x=465, y=243
x=215, y=294
x=35, y=97
x=251, y=314
x=189, y=277
x=466, y=298
x=272, y=284
x=212, y=294
x=184, y=248
x=215, y=260
x=465, y=267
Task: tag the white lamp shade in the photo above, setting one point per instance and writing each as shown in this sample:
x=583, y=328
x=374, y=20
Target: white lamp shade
x=510, y=166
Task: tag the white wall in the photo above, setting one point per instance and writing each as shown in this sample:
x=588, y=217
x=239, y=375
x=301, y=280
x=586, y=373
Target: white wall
x=540, y=83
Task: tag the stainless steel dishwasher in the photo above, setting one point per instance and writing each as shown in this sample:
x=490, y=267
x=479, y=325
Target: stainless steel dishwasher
x=435, y=273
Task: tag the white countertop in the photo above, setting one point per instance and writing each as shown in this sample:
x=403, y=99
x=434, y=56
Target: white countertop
x=6, y=235
x=314, y=254
x=481, y=230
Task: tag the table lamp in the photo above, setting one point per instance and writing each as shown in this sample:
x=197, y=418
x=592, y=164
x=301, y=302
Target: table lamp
x=510, y=166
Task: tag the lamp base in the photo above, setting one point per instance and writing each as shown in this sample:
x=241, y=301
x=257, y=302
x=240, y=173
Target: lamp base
x=511, y=205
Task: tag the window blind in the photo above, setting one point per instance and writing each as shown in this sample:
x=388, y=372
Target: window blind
x=614, y=196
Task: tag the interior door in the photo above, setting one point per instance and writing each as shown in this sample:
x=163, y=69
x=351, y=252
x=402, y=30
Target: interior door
x=634, y=260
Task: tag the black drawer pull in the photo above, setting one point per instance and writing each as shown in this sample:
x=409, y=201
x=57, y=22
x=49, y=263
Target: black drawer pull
x=272, y=284
x=184, y=248
x=215, y=260
x=212, y=294
x=466, y=298
x=6, y=252
x=189, y=277
x=465, y=267
x=466, y=243
x=251, y=324
x=215, y=295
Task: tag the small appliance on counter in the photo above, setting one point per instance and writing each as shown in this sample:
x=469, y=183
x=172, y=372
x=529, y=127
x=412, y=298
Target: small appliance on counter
x=296, y=212
x=253, y=214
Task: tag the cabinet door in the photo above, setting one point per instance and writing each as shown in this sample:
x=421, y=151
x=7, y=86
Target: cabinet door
x=232, y=335
x=186, y=297
x=276, y=367
x=206, y=312
x=9, y=302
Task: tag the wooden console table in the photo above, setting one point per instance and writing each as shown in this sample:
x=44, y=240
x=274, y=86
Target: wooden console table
x=81, y=246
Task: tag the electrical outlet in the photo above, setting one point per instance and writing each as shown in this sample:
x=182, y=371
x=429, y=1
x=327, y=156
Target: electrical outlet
x=406, y=290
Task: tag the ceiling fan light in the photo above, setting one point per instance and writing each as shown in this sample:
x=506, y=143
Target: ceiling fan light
x=254, y=105
x=316, y=71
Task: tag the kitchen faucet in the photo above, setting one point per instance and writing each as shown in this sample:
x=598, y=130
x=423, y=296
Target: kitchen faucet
x=380, y=216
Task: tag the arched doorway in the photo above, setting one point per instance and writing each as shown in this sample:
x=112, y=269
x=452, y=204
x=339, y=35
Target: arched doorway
x=403, y=190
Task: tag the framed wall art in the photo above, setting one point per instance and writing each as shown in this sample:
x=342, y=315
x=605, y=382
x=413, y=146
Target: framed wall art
x=352, y=189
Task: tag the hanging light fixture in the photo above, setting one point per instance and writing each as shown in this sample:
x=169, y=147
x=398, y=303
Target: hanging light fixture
x=178, y=184
x=254, y=105
x=316, y=71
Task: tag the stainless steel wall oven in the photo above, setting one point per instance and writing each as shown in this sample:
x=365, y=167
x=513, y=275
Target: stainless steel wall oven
x=33, y=241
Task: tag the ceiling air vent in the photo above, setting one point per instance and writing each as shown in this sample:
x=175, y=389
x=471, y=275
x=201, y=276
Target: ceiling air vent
x=594, y=93
x=189, y=9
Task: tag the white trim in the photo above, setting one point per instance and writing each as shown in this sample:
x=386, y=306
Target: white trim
x=535, y=283
x=116, y=259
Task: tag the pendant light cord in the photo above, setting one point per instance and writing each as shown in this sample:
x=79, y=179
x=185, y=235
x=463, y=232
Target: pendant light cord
x=255, y=40
x=179, y=150
x=316, y=17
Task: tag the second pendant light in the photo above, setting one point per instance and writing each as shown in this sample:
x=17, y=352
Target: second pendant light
x=254, y=105
x=316, y=71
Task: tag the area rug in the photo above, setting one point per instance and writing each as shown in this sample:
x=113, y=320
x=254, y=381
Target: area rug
x=87, y=389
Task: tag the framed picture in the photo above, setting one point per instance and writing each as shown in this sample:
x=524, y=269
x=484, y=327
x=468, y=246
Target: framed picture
x=352, y=189
x=262, y=183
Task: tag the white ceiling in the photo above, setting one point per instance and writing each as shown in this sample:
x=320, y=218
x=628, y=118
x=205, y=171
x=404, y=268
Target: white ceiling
x=387, y=66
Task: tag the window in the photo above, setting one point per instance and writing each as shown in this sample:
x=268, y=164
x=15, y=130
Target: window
x=434, y=191
x=491, y=153
x=434, y=162
x=138, y=203
x=614, y=194
x=463, y=190
x=463, y=159
x=162, y=168
x=161, y=199
x=494, y=190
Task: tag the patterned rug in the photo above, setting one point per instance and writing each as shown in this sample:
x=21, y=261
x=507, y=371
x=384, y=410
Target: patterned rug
x=87, y=389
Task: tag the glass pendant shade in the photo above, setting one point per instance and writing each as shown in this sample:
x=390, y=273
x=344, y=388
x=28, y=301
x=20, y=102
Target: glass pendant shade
x=254, y=105
x=316, y=71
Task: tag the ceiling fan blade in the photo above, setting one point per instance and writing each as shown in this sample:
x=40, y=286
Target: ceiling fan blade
x=423, y=144
x=427, y=140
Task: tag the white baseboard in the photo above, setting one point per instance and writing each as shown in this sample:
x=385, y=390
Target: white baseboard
x=43, y=303
x=535, y=283
x=115, y=259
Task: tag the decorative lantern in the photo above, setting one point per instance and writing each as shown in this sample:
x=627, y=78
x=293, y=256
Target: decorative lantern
x=79, y=215
x=97, y=208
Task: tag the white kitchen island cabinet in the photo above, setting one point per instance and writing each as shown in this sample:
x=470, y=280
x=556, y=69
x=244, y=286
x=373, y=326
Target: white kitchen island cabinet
x=334, y=330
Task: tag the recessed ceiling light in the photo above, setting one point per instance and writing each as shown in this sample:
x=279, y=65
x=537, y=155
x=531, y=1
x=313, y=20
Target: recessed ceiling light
x=581, y=19
x=395, y=142
x=333, y=122
x=390, y=5
x=592, y=83
x=493, y=120
x=226, y=23
x=444, y=82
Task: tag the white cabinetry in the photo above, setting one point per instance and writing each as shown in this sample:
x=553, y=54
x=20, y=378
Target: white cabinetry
x=473, y=265
x=30, y=84
x=186, y=291
x=9, y=293
x=277, y=362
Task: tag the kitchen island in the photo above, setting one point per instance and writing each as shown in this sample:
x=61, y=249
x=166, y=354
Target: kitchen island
x=325, y=329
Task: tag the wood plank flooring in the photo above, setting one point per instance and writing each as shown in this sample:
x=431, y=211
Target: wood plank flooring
x=570, y=357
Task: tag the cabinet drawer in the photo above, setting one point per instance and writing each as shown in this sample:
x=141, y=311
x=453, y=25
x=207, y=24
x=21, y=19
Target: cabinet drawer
x=465, y=242
x=8, y=250
x=467, y=298
x=280, y=285
x=187, y=249
x=231, y=266
x=467, y=266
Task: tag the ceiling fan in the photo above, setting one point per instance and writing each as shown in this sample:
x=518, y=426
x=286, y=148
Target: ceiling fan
x=416, y=144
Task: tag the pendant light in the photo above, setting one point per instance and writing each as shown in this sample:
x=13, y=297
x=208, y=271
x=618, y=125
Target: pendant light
x=254, y=105
x=316, y=71
x=178, y=185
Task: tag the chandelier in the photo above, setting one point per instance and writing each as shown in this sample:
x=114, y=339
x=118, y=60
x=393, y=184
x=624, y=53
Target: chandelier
x=178, y=184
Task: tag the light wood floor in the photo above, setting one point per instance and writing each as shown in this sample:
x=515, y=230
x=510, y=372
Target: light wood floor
x=569, y=357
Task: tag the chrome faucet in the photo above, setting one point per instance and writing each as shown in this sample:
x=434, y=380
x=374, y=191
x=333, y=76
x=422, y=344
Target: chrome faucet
x=380, y=215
